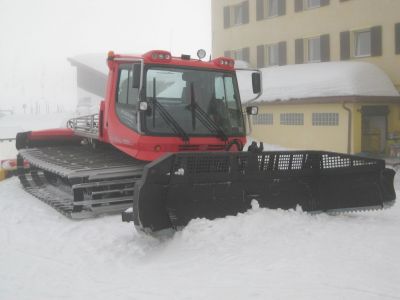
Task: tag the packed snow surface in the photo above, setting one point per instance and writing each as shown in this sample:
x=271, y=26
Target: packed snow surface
x=319, y=80
x=260, y=254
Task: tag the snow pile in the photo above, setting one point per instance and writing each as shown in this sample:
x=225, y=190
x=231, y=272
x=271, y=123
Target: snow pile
x=321, y=80
x=260, y=254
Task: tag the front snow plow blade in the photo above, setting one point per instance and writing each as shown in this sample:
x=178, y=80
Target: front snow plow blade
x=184, y=186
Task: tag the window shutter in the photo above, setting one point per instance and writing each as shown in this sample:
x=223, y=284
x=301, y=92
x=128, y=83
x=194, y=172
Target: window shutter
x=324, y=2
x=376, y=41
x=227, y=53
x=298, y=5
x=325, y=48
x=246, y=54
x=397, y=37
x=260, y=56
x=245, y=12
x=282, y=53
x=281, y=7
x=227, y=17
x=345, y=45
x=299, y=49
x=260, y=9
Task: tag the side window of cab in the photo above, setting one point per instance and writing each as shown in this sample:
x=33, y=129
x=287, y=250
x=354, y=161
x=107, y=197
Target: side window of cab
x=127, y=94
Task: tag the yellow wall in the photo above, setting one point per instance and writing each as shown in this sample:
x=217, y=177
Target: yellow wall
x=307, y=136
x=332, y=19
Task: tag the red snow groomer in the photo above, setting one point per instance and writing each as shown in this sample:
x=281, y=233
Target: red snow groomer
x=168, y=144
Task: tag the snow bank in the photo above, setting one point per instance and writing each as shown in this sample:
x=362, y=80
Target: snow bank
x=321, y=80
x=261, y=254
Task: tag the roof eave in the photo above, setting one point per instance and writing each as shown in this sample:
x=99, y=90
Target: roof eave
x=332, y=99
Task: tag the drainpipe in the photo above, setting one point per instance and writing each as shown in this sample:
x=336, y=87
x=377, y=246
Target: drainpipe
x=348, y=127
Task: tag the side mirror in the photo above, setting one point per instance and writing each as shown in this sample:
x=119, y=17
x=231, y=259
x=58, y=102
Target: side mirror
x=252, y=110
x=137, y=68
x=256, y=82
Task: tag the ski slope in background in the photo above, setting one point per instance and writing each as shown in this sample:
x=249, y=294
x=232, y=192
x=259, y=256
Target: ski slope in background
x=261, y=254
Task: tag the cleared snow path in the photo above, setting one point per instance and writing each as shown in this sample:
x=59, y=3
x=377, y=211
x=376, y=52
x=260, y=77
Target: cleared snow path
x=257, y=255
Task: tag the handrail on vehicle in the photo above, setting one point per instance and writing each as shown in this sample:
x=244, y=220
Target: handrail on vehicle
x=87, y=126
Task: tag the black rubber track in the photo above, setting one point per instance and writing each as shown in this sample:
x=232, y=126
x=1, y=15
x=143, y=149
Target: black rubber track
x=78, y=181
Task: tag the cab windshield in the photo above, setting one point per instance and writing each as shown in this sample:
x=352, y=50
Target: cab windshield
x=192, y=102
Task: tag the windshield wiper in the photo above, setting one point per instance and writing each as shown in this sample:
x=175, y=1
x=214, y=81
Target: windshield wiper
x=166, y=116
x=204, y=117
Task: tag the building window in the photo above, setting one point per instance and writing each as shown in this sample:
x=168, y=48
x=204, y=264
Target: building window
x=313, y=49
x=292, y=119
x=309, y=4
x=325, y=119
x=236, y=14
x=271, y=55
x=239, y=54
x=263, y=119
x=300, y=5
x=271, y=8
x=362, y=43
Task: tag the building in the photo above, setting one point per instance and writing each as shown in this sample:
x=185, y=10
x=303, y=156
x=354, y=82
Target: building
x=348, y=107
x=271, y=33
x=280, y=32
x=91, y=79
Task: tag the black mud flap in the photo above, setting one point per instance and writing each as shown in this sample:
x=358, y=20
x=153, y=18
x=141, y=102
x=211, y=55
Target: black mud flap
x=179, y=187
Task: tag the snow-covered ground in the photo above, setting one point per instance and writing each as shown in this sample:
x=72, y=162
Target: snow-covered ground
x=261, y=254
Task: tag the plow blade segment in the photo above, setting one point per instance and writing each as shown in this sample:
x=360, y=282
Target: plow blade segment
x=179, y=187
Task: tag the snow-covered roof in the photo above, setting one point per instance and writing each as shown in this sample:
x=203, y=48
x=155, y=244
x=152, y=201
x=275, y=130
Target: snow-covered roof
x=321, y=80
x=241, y=64
x=95, y=61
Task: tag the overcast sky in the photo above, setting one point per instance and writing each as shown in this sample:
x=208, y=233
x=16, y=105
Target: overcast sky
x=36, y=37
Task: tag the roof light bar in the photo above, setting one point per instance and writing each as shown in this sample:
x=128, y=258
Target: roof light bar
x=224, y=62
x=158, y=56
